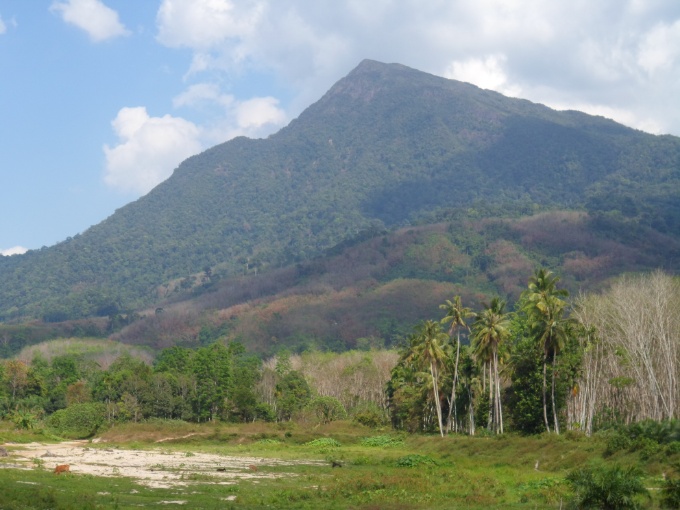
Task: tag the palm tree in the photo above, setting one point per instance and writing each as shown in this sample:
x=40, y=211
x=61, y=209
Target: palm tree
x=429, y=349
x=545, y=311
x=490, y=330
x=456, y=315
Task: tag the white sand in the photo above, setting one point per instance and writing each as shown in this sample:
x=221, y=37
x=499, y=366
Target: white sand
x=161, y=468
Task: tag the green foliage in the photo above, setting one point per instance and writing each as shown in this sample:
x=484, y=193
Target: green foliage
x=212, y=369
x=79, y=421
x=662, y=432
x=670, y=493
x=525, y=402
x=324, y=444
x=292, y=393
x=415, y=460
x=25, y=419
x=326, y=409
x=382, y=441
x=607, y=488
x=616, y=442
x=370, y=415
x=647, y=437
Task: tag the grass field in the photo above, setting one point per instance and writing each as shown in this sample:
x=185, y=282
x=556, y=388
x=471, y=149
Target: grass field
x=379, y=469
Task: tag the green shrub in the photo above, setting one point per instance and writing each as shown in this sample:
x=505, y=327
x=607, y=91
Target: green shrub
x=382, y=441
x=323, y=444
x=670, y=493
x=606, y=488
x=78, y=421
x=673, y=448
x=370, y=415
x=268, y=441
x=326, y=409
x=659, y=431
x=647, y=447
x=414, y=460
x=617, y=442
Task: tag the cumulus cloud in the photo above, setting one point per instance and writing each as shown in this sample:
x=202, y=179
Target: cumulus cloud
x=230, y=117
x=16, y=250
x=660, y=47
x=204, y=24
x=486, y=73
x=150, y=149
x=99, y=21
x=257, y=112
x=201, y=93
x=619, y=54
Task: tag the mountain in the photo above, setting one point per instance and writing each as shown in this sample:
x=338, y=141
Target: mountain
x=386, y=146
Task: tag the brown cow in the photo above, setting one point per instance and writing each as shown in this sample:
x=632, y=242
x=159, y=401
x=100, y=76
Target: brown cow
x=62, y=468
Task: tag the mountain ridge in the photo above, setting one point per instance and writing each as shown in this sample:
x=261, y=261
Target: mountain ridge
x=385, y=145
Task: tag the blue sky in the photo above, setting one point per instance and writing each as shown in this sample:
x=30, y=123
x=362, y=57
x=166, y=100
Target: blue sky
x=101, y=99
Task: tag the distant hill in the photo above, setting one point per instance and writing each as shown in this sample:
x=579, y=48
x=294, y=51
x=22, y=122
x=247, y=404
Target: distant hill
x=386, y=147
x=371, y=293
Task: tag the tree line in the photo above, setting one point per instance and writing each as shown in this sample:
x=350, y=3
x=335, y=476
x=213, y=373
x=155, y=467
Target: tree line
x=548, y=364
x=214, y=382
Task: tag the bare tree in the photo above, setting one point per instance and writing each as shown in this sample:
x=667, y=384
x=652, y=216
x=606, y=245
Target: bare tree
x=631, y=350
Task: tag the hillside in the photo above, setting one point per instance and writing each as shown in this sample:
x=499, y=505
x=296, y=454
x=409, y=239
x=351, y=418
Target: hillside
x=387, y=146
x=370, y=294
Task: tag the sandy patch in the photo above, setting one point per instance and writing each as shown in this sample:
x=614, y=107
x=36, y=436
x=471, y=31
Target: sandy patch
x=154, y=468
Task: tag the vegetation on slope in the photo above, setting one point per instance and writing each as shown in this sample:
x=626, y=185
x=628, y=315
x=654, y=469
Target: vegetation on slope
x=384, y=146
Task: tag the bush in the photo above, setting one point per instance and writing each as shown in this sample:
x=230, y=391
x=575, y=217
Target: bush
x=673, y=448
x=606, y=488
x=78, y=421
x=381, y=441
x=415, y=460
x=326, y=409
x=670, y=493
x=617, y=442
x=324, y=444
x=647, y=447
x=659, y=431
x=370, y=415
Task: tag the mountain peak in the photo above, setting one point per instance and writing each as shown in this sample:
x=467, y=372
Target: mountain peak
x=387, y=144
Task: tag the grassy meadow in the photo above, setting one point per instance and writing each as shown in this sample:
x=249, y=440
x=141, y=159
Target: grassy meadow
x=379, y=469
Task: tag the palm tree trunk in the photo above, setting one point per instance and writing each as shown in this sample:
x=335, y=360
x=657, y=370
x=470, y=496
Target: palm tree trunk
x=472, y=413
x=556, y=424
x=545, y=391
x=437, y=402
x=452, y=407
x=492, y=418
x=499, y=404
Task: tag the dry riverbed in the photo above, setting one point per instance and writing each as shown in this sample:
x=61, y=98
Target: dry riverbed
x=158, y=468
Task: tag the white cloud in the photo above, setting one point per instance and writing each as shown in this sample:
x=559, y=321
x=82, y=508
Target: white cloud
x=257, y=112
x=200, y=93
x=660, y=47
x=16, y=250
x=623, y=55
x=150, y=149
x=203, y=24
x=99, y=21
x=229, y=117
x=620, y=115
x=3, y=27
x=487, y=73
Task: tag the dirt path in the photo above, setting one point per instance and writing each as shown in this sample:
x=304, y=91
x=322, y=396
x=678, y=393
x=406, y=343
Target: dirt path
x=160, y=468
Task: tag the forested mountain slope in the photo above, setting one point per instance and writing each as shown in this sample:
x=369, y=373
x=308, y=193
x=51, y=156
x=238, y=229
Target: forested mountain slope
x=385, y=146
